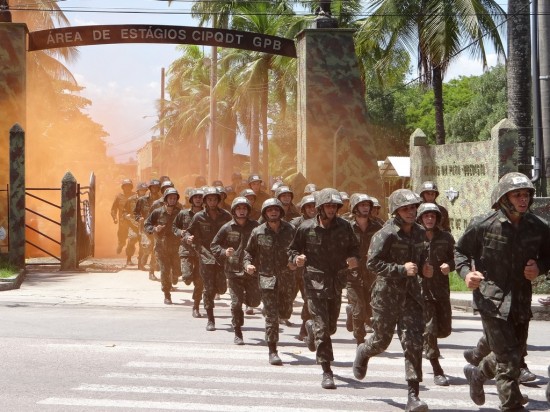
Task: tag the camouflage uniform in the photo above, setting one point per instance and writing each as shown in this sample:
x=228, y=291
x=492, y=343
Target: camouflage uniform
x=500, y=251
x=117, y=213
x=267, y=251
x=204, y=228
x=189, y=259
x=134, y=229
x=141, y=212
x=166, y=246
x=326, y=251
x=359, y=282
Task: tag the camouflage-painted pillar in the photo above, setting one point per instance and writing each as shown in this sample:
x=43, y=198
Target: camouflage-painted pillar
x=12, y=86
x=17, y=197
x=69, y=254
x=332, y=125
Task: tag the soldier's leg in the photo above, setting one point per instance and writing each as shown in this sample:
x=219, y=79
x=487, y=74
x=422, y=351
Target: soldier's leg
x=285, y=295
x=319, y=311
x=175, y=264
x=209, y=274
x=237, y=292
x=165, y=281
x=131, y=246
x=122, y=234
x=186, y=269
x=368, y=283
x=356, y=311
x=410, y=329
x=522, y=332
x=252, y=296
x=432, y=331
x=221, y=281
x=198, y=286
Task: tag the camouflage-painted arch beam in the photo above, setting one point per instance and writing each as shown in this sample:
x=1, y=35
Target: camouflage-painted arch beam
x=145, y=33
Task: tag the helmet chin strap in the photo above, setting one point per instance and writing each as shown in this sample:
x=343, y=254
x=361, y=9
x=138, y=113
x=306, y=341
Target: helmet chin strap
x=398, y=219
x=508, y=208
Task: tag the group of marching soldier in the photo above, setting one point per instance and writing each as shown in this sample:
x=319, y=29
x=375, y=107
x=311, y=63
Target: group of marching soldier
x=265, y=249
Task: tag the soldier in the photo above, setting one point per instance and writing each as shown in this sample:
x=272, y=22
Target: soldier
x=255, y=183
x=134, y=228
x=159, y=223
x=141, y=212
x=276, y=184
x=266, y=255
x=200, y=181
x=326, y=246
x=345, y=208
x=429, y=194
x=223, y=205
x=310, y=189
x=204, y=226
x=237, y=182
x=308, y=211
x=117, y=213
x=188, y=255
x=285, y=195
x=231, y=194
x=498, y=256
x=396, y=255
x=436, y=291
x=251, y=196
x=375, y=212
x=359, y=282
x=228, y=246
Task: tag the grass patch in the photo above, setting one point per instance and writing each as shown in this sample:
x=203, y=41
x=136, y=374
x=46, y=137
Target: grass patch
x=456, y=283
x=7, y=270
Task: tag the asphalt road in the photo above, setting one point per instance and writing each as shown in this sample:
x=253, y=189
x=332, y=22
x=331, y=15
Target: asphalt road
x=105, y=342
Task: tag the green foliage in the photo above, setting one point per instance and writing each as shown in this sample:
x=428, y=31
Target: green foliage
x=541, y=285
x=7, y=270
x=456, y=283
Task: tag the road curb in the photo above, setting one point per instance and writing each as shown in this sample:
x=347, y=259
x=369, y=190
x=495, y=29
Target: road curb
x=13, y=282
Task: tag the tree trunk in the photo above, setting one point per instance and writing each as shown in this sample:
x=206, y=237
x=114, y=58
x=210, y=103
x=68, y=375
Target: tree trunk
x=519, y=78
x=544, y=65
x=254, y=140
x=213, y=138
x=438, y=106
x=265, y=134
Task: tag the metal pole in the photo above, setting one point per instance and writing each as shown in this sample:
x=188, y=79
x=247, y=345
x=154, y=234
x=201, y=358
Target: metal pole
x=544, y=77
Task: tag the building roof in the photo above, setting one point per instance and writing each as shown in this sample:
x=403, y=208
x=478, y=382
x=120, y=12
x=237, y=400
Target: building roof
x=396, y=166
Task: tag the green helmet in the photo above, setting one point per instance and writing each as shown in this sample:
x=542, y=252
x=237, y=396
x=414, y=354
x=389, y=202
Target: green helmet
x=310, y=189
x=170, y=191
x=210, y=190
x=142, y=186
x=248, y=192
x=254, y=178
x=428, y=207
x=403, y=197
x=307, y=199
x=344, y=196
x=276, y=185
x=165, y=185
x=357, y=198
x=510, y=182
x=428, y=187
x=154, y=182
x=195, y=192
x=375, y=202
x=282, y=190
x=240, y=200
x=127, y=182
x=272, y=202
x=328, y=195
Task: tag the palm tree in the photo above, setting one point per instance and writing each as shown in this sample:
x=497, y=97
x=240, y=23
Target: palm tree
x=433, y=32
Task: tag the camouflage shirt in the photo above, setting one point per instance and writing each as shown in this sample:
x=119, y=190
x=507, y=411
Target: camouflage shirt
x=389, y=250
x=500, y=252
x=180, y=225
x=267, y=249
x=204, y=228
x=143, y=206
x=326, y=251
x=165, y=240
x=440, y=250
x=117, y=209
x=236, y=236
x=364, y=239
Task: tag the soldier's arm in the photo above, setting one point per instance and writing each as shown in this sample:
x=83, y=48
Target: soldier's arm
x=218, y=243
x=114, y=209
x=296, y=247
x=250, y=250
x=177, y=225
x=150, y=223
x=464, y=251
x=543, y=262
x=379, y=260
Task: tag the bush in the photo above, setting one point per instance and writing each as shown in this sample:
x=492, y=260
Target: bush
x=456, y=283
x=7, y=270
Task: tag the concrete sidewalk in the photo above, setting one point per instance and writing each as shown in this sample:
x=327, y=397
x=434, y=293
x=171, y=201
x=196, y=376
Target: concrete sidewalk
x=111, y=284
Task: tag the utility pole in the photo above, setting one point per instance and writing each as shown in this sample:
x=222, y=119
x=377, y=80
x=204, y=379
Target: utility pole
x=213, y=138
x=544, y=77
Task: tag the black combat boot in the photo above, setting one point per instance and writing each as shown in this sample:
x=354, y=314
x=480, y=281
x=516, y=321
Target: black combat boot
x=238, y=339
x=475, y=378
x=439, y=377
x=328, y=377
x=472, y=357
x=273, y=355
x=414, y=404
x=360, y=363
x=167, y=298
x=196, y=313
x=303, y=333
x=211, y=324
x=525, y=375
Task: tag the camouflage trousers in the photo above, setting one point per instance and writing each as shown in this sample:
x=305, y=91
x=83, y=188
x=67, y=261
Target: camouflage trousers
x=243, y=289
x=169, y=266
x=304, y=314
x=482, y=348
x=277, y=299
x=324, y=313
x=122, y=232
x=359, y=293
x=190, y=273
x=214, y=281
x=391, y=307
x=505, y=339
x=438, y=318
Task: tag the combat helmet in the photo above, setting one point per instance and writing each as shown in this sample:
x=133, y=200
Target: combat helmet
x=310, y=189
x=142, y=186
x=194, y=192
x=170, y=191
x=307, y=199
x=403, y=197
x=344, y=196
x=240, y=200
x=428, y=186
x=154, y=182
x=248, y=192
x=328, y=195
x=282, y=190
x=357, y=198
x=221, y=191
x=277, y=184
x=272, y=202
x=428, y=207
x=375, y=202
x=127, y=182
x=254, y=178
x=508, y=183
x=166, y=185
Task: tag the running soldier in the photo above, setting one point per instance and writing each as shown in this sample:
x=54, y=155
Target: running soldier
x=255, y=183
x=189, y=257
x=229, y=248
x=498, y=256
x=117, y=213
x=251, y=196
x=204, y=226
x=436, y=291
x=327, y=247
x=375, y=213
x=396, y=255
x=429, y=194
x=159, y=223
x=360, y=281
x=134, y=228
x=141, y=212
x=266, y=255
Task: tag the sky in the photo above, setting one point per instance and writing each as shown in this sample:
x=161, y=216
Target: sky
x=123, y=81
